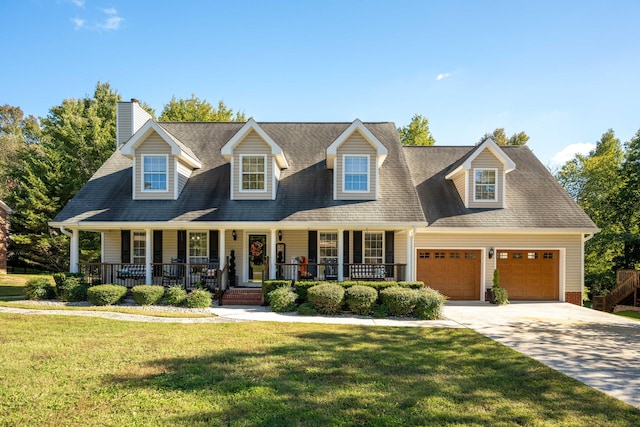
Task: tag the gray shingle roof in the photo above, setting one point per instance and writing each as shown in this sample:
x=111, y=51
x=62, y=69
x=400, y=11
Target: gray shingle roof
x=534, y=197
x=304, y=194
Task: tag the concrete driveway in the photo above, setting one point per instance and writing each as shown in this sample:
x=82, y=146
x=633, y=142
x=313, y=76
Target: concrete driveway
x=599, y=349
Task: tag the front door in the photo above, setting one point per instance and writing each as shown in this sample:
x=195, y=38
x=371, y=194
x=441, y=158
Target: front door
x=257, y=256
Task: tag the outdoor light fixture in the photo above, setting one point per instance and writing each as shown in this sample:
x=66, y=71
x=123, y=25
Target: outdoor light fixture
x=234, y=234
x=491, y=252
x=280, y=235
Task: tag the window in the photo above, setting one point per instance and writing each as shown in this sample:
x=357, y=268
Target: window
x=198, y=247
x=356, y=173
x=548, y=255
x=439, y=255
x=517, y=255
x=139, y=248
x=155, y=173
x=469, y=255
x=424, y=255
x=532, y=255
x=373, y=248
x=503, y=255
x=454, y=255
x=328, y=247
x=485, y=185
x=253, y=173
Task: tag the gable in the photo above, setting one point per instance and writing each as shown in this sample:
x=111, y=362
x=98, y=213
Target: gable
x=356, y=127
x=250, y=127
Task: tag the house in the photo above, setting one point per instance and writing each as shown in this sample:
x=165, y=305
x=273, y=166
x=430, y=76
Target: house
x=341, y=201
x=4, y=234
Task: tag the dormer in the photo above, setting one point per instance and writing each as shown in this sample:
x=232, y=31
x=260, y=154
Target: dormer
x=356, y=157
x=162, y=164
x=480, y=176
x=256, y=163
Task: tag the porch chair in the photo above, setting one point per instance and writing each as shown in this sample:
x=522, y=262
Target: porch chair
x=173, y=274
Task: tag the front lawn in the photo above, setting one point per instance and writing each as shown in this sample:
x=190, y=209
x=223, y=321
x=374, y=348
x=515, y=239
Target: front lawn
x=13, y=284
x=58, y=370
x=629, y=313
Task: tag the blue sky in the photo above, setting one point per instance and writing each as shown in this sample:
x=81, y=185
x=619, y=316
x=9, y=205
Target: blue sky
x=562, y=71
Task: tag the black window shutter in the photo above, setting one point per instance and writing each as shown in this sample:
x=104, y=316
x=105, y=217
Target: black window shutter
x=357, y=247
x=388, y=251
x=157, y=246
x=313, y=250
x=182, y=245
x=125, y=248
x=213, y=244
x=345, y=252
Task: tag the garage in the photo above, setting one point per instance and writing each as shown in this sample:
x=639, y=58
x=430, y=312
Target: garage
x=455, y=273
x=530, y=274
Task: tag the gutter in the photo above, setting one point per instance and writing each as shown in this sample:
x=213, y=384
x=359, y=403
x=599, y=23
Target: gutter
x=65, y=232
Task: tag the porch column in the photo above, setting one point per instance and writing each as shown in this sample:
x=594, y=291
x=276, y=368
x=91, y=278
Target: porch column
x=340, y=255
x=221, y=253
x=74, y=256
x=410, y=269
x=148, y=252
x=272, y=255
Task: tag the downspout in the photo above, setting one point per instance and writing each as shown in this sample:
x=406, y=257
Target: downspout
x=74, y=250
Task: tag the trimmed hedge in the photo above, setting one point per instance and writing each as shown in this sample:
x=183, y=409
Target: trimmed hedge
x=282, y=300
x=361, y=299
x=199, y=299
x=429, y=304
x=412, y=285
x=106, y=294
x=307, y=309
x=326, y=298
x=72, y=289
x=175, y=295
x=399, y=301
x=147, y=294
x=271, y=285
x=302, y=286
x=39, y=288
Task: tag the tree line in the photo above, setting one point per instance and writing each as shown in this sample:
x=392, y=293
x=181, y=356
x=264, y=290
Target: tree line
x=45, y=161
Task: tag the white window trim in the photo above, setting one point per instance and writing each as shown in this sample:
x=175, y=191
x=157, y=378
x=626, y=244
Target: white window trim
x=142, y=172
x=189, y=233
x=133, y=240
x=495, y=185
x=327, y=232
x=344, y=173
x=240, y=173
x=364, y=245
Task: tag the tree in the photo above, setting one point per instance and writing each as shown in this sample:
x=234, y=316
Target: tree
x=594, y=181
x=417, y=132
x=196, y=110
x=16, y=131
x=500, y=137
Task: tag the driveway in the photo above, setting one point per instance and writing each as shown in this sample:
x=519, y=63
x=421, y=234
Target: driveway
x=599, y=349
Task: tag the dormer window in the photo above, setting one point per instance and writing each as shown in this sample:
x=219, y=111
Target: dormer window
x=485, y=185
x=155, y=175
x=253, y=173
x=356, y=173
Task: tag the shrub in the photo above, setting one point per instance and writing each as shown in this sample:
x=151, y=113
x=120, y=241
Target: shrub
x=429, y=304
x=399, y=301
x=411, y=285
x=326, y=297
x=307, y=309
x=501, y=296
x=282, y=300
x=39, y=288
x=198, y=299
x=301, y=288
x=380, y=311
x=59, y=278
x=106, y=294
x=147, y=294
x=272, y=285
x=361, y=299
x=72, y=289
x=175, y=295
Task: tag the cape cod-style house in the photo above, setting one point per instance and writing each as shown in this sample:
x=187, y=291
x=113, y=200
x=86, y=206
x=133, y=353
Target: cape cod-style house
x=236, y=203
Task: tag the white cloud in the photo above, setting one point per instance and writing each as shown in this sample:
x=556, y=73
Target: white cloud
x=79, y=3
x=111, y=23
x=79, y=23
x=442, y=76
x=568, y=152
x=110, y=11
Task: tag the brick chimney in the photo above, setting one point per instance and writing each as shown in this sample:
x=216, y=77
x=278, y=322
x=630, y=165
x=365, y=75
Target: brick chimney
x=130, y=117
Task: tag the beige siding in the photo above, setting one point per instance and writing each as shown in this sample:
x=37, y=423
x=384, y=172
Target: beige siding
x=169, y=245
x=486, y=160
x=184, y=172
x=400, y=248
x=571, y=243
x=460, y=182
x=252, y=144
x=297, y=242
x=154, y=144
x=140, y=117
x=357, y=145
x=124, y=122
x=112, y=246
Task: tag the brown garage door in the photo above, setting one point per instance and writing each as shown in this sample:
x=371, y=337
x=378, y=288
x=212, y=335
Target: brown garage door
x=530, y=275
x=455, y=273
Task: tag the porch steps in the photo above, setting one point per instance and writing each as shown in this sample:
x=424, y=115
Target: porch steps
x=242, y=297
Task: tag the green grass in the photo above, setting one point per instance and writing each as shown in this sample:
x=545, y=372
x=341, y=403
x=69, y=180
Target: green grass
x=58, y=370
x=13, y=284
x=632, y=314
x=112, y=309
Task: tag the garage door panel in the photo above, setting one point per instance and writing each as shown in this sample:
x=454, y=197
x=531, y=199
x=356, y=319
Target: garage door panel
x=455, y=273
x=529, y=274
